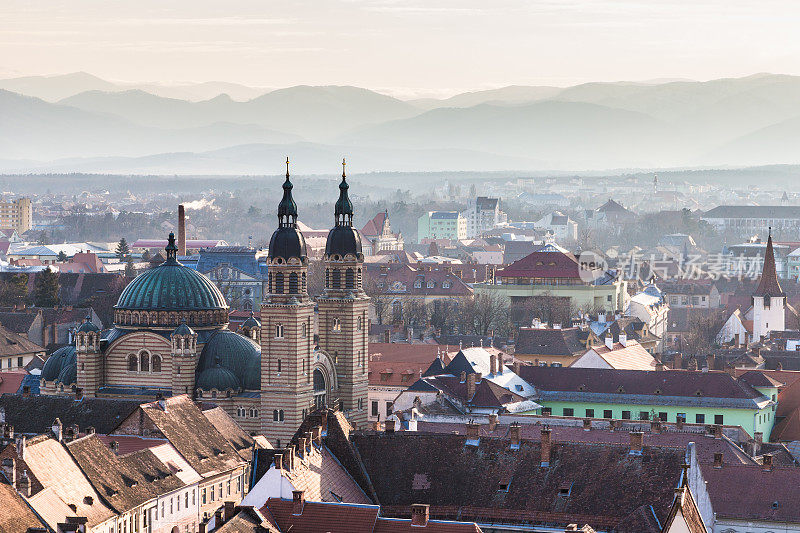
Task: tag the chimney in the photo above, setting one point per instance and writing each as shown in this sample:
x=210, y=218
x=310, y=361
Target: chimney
x=637, y=441
x=78, y=394
x=517, y=367
x=229, y=510
x=717, y=459
x=278, y=461
x=587, y=424
x=659, y=366
x=492, y=364
x=26, y=391
x=114, y=445
x=301, y=447
x=499, y=361
x=737, y=339
x=58, y=430
x=711, y=362
x=546, y=443
x=679, y=422
x=677, y=362
x=316, y=434
x=10, y=470
x=420, y=513
x=492, y=421
x=376, y=425
x=288, y=458
x=609, y=341
x=24, y=484
x=623, y=339
x=463, y=377
x=472, y=430
x=201, y=527
x=181, y=230
x=767, y=462
x=513, y=433
x=217, y=518
x=471, y=386
x=389, y=425
x=717, y=429
x=298, y=500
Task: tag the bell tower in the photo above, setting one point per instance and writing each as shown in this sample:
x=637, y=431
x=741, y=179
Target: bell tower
x=343, y=307
x=286, y=337
x=769, y=300
x=184, y=359
x=89, y=360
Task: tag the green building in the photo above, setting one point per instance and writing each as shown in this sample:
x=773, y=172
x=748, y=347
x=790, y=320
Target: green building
x=669, y=395
x=449, y=225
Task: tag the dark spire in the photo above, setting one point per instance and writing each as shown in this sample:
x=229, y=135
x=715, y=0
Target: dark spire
x=287, y=209
x=172, y=249
x=769, y=286
x=343, y=212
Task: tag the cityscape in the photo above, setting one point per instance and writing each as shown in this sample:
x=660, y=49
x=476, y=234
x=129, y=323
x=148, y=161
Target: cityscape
x=335, y=286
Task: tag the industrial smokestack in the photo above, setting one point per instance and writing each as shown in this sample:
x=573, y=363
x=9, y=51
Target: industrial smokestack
x=181, y=230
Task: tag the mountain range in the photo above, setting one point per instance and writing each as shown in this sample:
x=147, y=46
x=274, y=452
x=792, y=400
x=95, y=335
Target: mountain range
x=81, y=122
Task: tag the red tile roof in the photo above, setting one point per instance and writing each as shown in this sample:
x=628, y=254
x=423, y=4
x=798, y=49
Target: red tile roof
x=10, y=382
x=543, y=265
x=779, y=485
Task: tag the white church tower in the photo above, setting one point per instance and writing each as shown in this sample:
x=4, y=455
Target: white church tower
x=769, y=300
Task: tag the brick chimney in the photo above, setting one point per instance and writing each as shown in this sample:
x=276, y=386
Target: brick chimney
x=546, y=442
x=24, y=485
x=389, y=424
x=517, y=367
x=316, y=434
x=717, y=459
x=587, y=424
x=420, y=514
x=492, y=422
x=659, y=366
x=677, y=361
x=711, y=362
x=471, y=378
x=767, y=462
x=228, y=511
x=10, y=470
x=78, y=393
x=463, y=377
x=472, y=430
x=301, y=446
x=513, y=433
x=655, y=426
x=637, y=441
x=623, y=339
x=492, y=364
x=26, y=391
x=288, y=458
x=181, y=230
x=278, y=461
x=218, y=518
x=298, y=501
x=717, y=430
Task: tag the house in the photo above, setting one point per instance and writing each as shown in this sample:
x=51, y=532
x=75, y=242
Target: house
x=16, y=515
x=553, y=272
x=750, y=219
x=449, y=225
x=668, y=395
x=651, y=307
x=83, y=262
x=550, y=346
x=47, y=326
x=483, y=214
x=238, y=272
x=560, y=225
x=377, y=235
x=17, y=351
x=623, y=355
x=611, y=213
x=680, y=293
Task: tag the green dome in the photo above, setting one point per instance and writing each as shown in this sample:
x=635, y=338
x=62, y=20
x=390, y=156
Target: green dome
x=171, y=286
x=217, y=377
x=252, y=379
x=234, y=352
x=68, y=374
x=55, y=363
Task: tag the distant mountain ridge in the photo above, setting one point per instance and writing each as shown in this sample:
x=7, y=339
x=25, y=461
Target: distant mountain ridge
x=750, y=120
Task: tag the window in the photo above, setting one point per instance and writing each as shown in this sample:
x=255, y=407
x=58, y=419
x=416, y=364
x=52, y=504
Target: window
x=718, y=420
x=699, y=418
x=304, y=330
x=293, y=283
x=228, y=487
x=336, y=277
x=445, y=284
x=569, y=411
x=280, y=415
x=626, y=415
x=590, y=413
x=275, y=415
x=349, y=279
x=418, y=284
x=388, y=409
x=279, y=331
x=556, y=365
x=662, y=416
x=186, y=500
x=19, y=361
x=374, y=408
x=213, y=493
x=279, y=283
x=156, y=363
x=337, y=325
x=547, y=411
x=133, y=363
x=431, y=284
x=608, y=414
x=279, y=366
x=644, y=415
x=162, y=504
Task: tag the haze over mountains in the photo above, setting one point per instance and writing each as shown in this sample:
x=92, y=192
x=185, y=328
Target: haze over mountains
x=83, y=123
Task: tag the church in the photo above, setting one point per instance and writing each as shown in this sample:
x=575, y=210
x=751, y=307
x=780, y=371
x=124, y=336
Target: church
x=170, y=336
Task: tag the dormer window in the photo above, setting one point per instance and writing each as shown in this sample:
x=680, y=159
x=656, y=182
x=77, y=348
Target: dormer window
x=445, y=284
x=418, y=284
x=431, y=284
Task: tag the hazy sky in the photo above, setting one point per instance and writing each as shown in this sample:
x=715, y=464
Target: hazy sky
x=401, y=46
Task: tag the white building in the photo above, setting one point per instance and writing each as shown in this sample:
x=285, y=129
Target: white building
x=650, y=306
x=560, y=225
x=483, y=214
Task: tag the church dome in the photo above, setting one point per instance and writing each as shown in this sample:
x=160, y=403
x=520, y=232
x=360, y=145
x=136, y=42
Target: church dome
x=252, y=379
x=171, y=286
x=68, y=374
x=343, y=240
x=88, y=326
x=55, y=363
x=287, y=241
x=232, y=351
x=219, y=378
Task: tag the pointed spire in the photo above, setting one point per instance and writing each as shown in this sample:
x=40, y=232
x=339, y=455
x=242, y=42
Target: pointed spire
x=287, y=209
x=769, y=285
x=343, y=211
x=171, y=249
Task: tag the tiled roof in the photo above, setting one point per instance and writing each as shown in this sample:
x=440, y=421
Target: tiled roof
x=753, y=211
x=374, y=227
x=539, y=341
x=249, y=520
x=754, y=378
x=15, y=344
x=16, y=515
x=768, y=285
x=389, y=352
x=11, y=382
x=34, y=415
x=182, y=423
x=18, y=322
x=632, y=356
x=401, y=278
x=491, y=480
x=685, y=507
x=487, y=394
x=228, y=428
x=124, y=481
x=543, y=265
x=323, y=479
x=779, y=485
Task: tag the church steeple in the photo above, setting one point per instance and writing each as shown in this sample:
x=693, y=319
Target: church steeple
x=769, y=285
x=172, y=250
x=343, y=211
x=287, y=209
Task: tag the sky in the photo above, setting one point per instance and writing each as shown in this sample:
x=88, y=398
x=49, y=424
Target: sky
x=403, y=47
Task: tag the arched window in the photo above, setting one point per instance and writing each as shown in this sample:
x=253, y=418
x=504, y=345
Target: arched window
x=304, y=330
x=279, y=283
x=336, y=279
x=431, y=284
x=319, y=389
x=279, y=331
x=144, y=361
x=293, y=283
x=418, y=284
x=275, y=415
x=336, y=325
x=280, y=367
x=360, y=323
x=305, y=285
x=280, y=415
x=349, y=279
x=133, y=363
x=156, y=363
x=327, y=278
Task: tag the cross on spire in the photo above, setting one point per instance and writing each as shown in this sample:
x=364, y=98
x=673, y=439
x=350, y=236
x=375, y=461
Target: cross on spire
x=343, y=164
x=287, y=167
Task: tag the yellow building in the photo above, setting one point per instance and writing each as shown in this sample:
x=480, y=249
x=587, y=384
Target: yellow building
x=17, y=214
